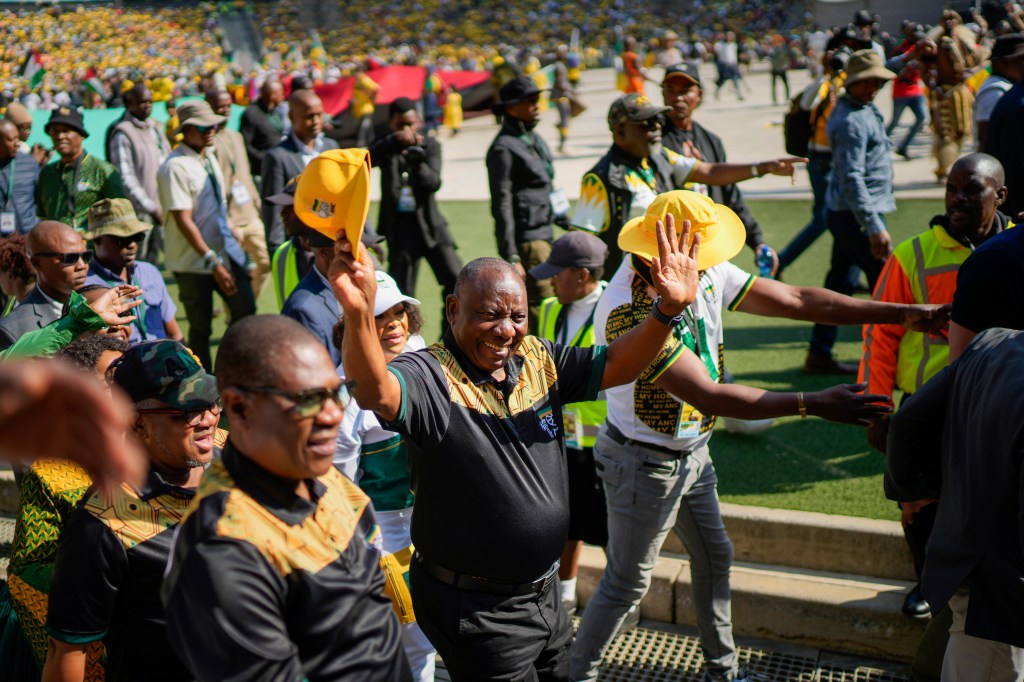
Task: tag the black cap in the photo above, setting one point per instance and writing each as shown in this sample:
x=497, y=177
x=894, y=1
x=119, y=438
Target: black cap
x=573, y=250
x=518, y=89
x=1009, y=45
x=683, y=70
x=369, y=238
x=862, y=17
x=68, y=116
x=633, y=107
x=285, y=197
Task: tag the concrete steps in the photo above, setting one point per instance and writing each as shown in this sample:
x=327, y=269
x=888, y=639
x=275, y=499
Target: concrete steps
x=830, y=582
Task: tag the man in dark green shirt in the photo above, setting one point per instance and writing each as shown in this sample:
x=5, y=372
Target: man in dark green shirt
x=68, y=187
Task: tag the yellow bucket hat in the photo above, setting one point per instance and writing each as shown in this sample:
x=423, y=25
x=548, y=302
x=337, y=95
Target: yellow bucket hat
x=333, y=194
x=721, y=231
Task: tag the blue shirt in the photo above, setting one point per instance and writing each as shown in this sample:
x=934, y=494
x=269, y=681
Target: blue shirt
x=314, y=306
x=22, y=199
x=861, y=164
x=157, y=306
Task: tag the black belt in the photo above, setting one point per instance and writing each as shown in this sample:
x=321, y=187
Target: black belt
x=622, y=439
x=469, y=582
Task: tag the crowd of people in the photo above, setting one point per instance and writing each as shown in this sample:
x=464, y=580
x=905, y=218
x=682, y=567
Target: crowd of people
x=336, y=497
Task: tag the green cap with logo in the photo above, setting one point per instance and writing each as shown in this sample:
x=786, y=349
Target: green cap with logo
x=633, y=107
x=166, y=371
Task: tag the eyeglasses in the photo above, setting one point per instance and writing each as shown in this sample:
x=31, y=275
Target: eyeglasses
x=125, y=242
x=190, y=417
x=648, y=124
x=205, y=129
x=311, y=402
x=68, y=259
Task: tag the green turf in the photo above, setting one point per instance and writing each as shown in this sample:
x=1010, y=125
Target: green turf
x=798, y=464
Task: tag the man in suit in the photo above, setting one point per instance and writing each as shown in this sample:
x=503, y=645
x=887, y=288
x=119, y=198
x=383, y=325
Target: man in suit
x=290, y=157
x=61, y=263
x=410, y=166
x=970, y=462
x=261, y=125
x=313, y=304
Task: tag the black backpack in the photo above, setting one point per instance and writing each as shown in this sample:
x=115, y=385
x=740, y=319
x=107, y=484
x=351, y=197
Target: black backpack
x=798, y=125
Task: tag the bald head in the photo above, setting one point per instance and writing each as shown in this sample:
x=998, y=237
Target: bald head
x=306, y=113
x=482, y=273
x=271, y=93
x=139, y=102
x=983, y=166
x=9, y=139
x=50, y=236
x=488, y=313
x=256, y=349
x=219, y=101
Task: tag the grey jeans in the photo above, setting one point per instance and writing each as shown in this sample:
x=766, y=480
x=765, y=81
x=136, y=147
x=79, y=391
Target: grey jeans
x=649, y=493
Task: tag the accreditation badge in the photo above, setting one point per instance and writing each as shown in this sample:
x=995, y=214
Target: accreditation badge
x=8, y=223
x=572, y=425
x=239, y=193
x=689, y=423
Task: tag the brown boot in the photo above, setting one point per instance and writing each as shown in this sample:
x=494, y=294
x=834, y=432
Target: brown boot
x=819, y=364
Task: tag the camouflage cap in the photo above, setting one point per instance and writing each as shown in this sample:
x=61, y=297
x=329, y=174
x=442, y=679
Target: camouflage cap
x=632, y=107
x=167, y=371
x=116, y=218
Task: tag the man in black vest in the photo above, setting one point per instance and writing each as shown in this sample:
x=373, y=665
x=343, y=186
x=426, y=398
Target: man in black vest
x=410, y=165
x=523, y=199
x=682, y=91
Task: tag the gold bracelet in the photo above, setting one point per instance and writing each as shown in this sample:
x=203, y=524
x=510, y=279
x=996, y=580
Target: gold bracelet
x=801, y=405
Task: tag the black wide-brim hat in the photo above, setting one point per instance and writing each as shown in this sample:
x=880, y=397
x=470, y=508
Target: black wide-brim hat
x=72, y=118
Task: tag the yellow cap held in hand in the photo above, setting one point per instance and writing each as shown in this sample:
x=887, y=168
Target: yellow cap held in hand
x=333, y=194
x=721, y=231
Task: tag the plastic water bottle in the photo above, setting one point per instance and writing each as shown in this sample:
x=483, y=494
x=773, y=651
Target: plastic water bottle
x=765, y=260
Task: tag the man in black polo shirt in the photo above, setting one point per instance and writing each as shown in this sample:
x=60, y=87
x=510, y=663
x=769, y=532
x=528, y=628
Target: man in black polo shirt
x=483, y=411
x=107, y=575
x=273, y=575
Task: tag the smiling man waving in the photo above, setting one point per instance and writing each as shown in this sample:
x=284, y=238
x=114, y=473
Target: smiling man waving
x=483, y=410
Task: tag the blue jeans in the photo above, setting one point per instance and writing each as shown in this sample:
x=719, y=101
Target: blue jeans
x=819, y=169
x=650, y=493
x=918, y=106
x=851, y=252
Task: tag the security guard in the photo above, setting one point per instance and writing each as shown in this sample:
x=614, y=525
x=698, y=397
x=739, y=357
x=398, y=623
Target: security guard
x=575, y=267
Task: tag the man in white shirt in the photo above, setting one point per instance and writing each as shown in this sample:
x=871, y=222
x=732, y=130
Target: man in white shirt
x=1007, y=69
x=201, y=250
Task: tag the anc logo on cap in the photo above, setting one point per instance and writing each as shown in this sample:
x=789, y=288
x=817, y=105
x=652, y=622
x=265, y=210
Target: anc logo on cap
x=324, y=209
x=64, y=111
x=640, y=100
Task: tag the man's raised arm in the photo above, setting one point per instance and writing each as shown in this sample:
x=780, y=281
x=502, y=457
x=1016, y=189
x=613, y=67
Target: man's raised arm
x=355, y=286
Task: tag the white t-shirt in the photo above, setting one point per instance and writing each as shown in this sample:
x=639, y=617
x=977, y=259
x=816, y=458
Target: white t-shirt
x=727, y=54
x=641, y=410
x=184, y=183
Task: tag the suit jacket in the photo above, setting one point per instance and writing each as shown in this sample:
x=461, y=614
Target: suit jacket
x=281, y=164
x=424, y=179
x=35, y=312
x=959, y=438
x=711, y=148
x=314, y=306
x=259, y=132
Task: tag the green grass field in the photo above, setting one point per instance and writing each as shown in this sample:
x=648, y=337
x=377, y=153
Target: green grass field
x=808, y=465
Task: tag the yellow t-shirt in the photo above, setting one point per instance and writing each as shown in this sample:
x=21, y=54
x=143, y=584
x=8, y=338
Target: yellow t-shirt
x=362, y=96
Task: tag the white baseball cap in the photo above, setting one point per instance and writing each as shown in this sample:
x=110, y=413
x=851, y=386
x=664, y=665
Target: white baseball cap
x=388, y=294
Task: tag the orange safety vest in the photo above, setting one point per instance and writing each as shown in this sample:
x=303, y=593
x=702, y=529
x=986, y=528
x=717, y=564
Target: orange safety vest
x=922, y=269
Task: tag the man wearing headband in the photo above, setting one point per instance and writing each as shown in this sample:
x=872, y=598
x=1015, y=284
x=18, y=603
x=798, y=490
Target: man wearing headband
x=652, y=452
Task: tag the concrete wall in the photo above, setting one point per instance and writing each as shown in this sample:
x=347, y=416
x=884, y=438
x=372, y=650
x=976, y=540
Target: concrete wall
x=839, y=12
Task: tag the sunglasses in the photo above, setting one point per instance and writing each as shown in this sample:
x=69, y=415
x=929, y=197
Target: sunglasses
x=311, y=402
x=650, y=124
x=205, y=129
x=125, y=242
x=190, y=417
x=68, y=259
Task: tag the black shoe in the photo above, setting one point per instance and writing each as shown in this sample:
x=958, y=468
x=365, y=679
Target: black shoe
x=905, y=153
x=822, y=364
x=915, y=605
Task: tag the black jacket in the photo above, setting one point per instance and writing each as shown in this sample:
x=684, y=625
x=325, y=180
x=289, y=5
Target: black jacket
x=280, y=164
x=424, y=179
x=520, y=175
x=260, y=133
x=711, y=148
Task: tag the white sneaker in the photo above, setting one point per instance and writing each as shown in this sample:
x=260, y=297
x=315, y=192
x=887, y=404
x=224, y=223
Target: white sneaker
x=746, y=426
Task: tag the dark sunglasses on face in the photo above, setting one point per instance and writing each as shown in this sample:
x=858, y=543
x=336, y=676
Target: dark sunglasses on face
x=311, y=402
x=68, y=259
x=649, y=124
x=125, y=242
x=190, y=417
x=205, y=129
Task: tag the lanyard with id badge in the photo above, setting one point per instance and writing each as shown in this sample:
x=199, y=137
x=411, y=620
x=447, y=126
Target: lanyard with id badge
x=406, y=199
x=690, y=419
x=8, y=219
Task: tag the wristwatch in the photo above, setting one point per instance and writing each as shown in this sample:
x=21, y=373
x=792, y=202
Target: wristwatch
x=662, y=317
x=211, y=259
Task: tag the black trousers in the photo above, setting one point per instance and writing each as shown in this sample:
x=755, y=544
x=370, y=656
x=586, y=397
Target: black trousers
x=196, y=292
x=484, y=636
x=405, y=254
x=851, y=249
